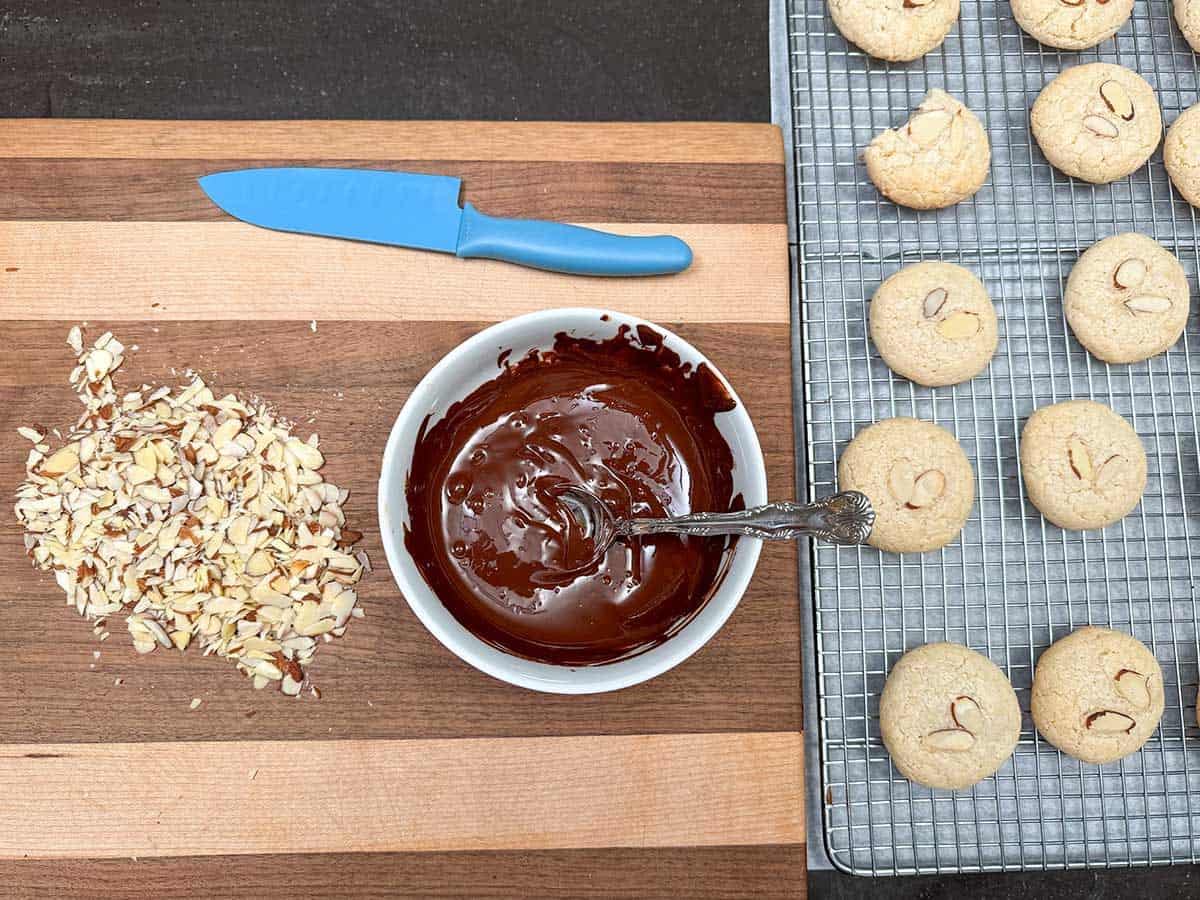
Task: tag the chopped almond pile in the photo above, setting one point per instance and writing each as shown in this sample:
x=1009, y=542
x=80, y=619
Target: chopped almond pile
x=204, y=519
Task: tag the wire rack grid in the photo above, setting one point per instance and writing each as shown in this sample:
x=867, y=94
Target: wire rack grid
x=1013, y=583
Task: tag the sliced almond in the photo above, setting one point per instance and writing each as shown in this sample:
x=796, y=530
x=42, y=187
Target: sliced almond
x=1107, y=721
x=917, y=4
x=1080, y=459
x=146, y=457
x=966, y=714
x=65, y=460
x=99, y=362
x=1134, y=687
x=934, y=301
x=310, y=457
x=1110, y=473
x=929, y=485
x=1072, y=3
x=154, y=494
x=136, y=475
x=957, y=140
x=239, y=530
x=955, y=740
x=1130, y=273
x=260, y=563
x=959, y=326
x=1147, y=303
x=902, y=479
x=1117, y=99
x=226, y=433
x=927, y=126
x=1100, y=127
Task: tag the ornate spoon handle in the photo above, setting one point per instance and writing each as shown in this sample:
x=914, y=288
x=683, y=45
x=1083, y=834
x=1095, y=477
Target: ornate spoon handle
x=844, y=518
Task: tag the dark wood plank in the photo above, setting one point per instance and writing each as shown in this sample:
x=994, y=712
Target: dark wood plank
x=658, y=874
x=388, y=677
x=166, y=189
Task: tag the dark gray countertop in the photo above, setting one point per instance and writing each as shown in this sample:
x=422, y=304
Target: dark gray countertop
x=403, y=59
x=387, y=59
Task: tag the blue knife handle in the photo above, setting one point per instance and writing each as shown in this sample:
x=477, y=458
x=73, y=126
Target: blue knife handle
x=568, y=248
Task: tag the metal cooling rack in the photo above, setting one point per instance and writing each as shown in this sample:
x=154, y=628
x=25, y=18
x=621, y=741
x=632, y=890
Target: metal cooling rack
x=1013, y=583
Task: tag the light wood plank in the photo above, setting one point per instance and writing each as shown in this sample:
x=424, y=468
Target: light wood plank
x=152, y=271
x=207, y=798
x=701, y=142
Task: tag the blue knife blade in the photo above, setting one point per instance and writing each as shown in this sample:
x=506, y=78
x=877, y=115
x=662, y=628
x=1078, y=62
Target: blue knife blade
x=422, y=211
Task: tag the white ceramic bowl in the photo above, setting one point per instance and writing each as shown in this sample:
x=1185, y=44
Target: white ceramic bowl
x=462, y=370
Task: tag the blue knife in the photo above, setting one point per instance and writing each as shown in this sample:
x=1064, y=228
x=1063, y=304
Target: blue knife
x=422, y=211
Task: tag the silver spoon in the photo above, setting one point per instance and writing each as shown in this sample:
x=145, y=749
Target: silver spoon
x=845, y=518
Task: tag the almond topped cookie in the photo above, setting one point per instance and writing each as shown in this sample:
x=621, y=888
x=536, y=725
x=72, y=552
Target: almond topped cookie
x=1181, y=153
x=896, y=30
x=1187, y=17
x=939, y=157
x=1097, y=694
x=918, y=479
x=1071, y=24
x=1127, y=298
x=1084, y=466
x=948, y=716
x=1097, y=122
x=934, y=324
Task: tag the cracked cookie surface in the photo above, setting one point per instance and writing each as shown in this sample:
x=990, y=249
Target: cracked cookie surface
x=939, y=157
x=948, y=716
x=895, y=30
x=1071, y=24
x=1181, y=152
x=918, y=479
x=1097, y=122
x=1097, y=694
x=1127, y=298
x=933, y=323
x=1084, y=466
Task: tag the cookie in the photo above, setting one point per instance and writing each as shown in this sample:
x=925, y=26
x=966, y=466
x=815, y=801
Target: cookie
x=895, y=30
x=937, y=158
x=948, y=716
x=1187, y=17
x=1181, y=151
x=1097, y=694
x=1083, y=465
x=918, y=480
x=933, y=323
x=1097, y=122
x=1127, y=298
x=1071, y=24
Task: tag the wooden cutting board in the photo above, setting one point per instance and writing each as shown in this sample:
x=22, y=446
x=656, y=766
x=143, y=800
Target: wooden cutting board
x=414, y=773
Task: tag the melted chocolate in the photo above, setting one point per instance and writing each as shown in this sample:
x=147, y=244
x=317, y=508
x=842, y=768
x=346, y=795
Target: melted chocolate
x=624, y=418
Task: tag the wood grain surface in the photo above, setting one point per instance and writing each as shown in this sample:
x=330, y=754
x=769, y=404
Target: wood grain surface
x=413, y=772
x=461, y=794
